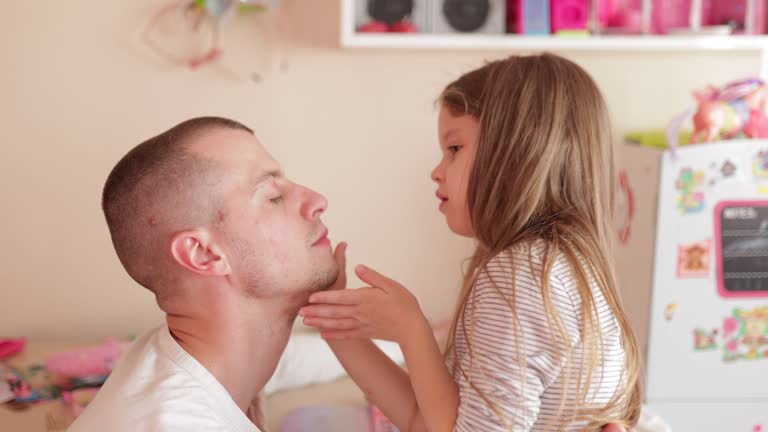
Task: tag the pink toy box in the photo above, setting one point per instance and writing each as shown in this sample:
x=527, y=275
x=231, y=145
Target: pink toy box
x=625, y=16
x=669, y=15
x=569, y=15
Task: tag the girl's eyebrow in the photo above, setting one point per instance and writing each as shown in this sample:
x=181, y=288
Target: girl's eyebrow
x=449, y=132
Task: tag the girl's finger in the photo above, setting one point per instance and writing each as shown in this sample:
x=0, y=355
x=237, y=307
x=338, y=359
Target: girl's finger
x=345, y=334
x=327, y=311
x=339, y=297
x=374, y=278
x=333, y=324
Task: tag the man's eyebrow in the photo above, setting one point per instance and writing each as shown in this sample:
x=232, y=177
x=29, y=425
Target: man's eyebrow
x=269, y=175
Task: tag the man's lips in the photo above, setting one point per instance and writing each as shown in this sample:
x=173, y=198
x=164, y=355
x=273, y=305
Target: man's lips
x=323, y=240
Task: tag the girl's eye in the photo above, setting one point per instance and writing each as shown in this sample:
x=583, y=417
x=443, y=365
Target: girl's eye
x=277, y=200
x=453, y=149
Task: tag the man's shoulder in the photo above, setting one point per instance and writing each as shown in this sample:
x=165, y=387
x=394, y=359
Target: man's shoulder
x=159, y=418
x=166, y=401
x=147, y=390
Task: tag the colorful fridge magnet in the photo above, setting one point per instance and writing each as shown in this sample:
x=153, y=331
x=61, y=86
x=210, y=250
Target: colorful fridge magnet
x=760, y=171
x=690, y=184
x=693, y=259
x=760, y=165
x=730, y=325
x=669, y=311
x=724, y=171
x=704, y=340
x=747, y=334
x=728, y=169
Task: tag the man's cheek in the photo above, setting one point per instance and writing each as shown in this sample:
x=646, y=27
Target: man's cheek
x=278, y=242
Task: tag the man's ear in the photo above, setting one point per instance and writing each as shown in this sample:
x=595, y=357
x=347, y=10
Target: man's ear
x=195, y=251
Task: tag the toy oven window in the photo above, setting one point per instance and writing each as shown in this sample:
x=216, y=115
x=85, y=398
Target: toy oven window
x=741, y=248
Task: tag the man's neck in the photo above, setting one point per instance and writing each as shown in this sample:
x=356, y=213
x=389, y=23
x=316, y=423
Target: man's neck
x=239, y=342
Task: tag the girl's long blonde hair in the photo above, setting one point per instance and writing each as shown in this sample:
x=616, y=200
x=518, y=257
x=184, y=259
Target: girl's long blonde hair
x=544, y=170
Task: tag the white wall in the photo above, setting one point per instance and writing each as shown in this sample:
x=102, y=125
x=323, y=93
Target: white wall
x=79, y=89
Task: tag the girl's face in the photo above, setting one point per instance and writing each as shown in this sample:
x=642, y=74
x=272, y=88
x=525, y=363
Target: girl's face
x=458, y=140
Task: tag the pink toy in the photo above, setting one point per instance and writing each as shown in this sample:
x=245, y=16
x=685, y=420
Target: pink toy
x=11, y=347
x=624, y=16
x=735, y=11
x=670, y=14
x=738, y=107
x=569, y=15
x=725, y=113
x=86, y=362
x=676, y=14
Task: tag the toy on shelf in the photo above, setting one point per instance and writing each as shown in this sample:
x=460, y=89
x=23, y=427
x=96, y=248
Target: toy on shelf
x=709, y=17
x=532, y=16
x=382, y=27
x=468, y=16
x=676, y=16
x=570, y=16
x=726, y=113
x=742, y=16
x=394, y=16
x=620, y=16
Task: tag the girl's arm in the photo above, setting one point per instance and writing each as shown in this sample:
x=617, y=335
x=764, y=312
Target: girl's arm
x=436, y=392
x=427, y=400
x=308, y=360
x=384, y=383
x=387, y=310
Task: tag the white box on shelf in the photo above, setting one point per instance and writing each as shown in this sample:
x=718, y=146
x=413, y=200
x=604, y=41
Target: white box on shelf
x=468, y=16
x=391, y=12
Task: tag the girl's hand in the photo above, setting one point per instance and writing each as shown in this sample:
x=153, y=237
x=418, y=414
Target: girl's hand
x=385, y=310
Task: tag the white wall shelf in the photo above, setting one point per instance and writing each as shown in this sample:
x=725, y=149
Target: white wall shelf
x=350, y=38
x=353, y=39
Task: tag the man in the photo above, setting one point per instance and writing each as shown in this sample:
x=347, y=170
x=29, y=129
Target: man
x=203, y=217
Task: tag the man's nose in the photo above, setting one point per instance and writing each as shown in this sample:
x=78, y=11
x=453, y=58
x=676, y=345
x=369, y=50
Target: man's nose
x=313, y=205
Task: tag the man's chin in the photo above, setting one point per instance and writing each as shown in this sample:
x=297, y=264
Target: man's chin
x=326, y=281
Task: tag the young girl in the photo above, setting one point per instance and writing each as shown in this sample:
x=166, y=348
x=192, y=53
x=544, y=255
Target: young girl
x=539, y=340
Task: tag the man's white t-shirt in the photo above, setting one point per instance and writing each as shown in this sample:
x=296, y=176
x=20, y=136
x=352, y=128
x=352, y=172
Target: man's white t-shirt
x=155, y=387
